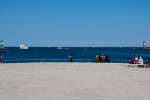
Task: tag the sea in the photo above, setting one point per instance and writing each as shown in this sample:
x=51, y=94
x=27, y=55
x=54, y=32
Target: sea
x=80, y=54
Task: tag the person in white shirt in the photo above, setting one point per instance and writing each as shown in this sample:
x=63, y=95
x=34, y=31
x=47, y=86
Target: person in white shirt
x=140, y=61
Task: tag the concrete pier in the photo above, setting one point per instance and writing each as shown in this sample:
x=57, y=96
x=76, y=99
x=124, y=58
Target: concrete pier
x=73, y=81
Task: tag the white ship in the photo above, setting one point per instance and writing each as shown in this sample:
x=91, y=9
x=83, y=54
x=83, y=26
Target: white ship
x=23, y=46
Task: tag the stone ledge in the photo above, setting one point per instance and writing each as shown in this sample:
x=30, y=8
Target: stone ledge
x=139, y=65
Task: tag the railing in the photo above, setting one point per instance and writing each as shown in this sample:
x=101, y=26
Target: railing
x=60, y=60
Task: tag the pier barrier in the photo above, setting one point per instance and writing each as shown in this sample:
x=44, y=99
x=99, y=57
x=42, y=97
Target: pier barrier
x=60, y=60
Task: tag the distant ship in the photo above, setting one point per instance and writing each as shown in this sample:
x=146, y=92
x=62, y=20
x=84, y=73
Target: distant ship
x=23, y=46
x=59, y=47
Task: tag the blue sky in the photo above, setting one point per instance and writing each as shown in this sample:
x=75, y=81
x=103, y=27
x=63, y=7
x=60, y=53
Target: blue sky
x=79, y=23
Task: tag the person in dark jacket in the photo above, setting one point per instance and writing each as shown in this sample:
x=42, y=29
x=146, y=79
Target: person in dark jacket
x=70, y=58
x=107, y=60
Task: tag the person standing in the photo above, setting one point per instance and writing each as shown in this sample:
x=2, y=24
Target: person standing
x=1, y=58
x=70, y=58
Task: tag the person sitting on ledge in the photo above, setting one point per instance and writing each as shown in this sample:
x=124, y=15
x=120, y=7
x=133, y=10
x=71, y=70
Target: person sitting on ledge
x=140, y=61
x=148, y=61
x=107, y=60
x=133, y=60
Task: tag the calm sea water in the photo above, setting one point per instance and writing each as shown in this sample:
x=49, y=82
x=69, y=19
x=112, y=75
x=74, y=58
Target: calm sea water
x=80, y=54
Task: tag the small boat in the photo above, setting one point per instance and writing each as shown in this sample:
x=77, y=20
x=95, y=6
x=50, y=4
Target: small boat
x=59, y=47
x=23, y=46
x=67, y=48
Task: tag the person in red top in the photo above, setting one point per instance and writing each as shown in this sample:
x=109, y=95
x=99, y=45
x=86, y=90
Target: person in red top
x=133, y=60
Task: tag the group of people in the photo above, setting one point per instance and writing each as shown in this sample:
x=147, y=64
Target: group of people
x=136, y=60
x=102, y=58
x=99, y=58
x=139, y=60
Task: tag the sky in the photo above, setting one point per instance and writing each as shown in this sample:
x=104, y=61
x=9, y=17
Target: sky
x=75, y=23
